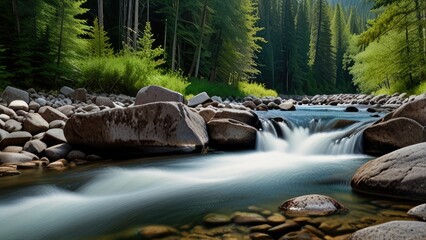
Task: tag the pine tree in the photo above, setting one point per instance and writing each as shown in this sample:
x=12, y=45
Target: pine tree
x=146, y=49
x=321, y=56
x=339, y=42
x=288, y=46
x=98, y=45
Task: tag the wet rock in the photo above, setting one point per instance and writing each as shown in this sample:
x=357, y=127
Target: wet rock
x=400, y=174
x=245, y=218
x=15, y=139
x=93, y=157
x=34, y=123
x=12, y=125
x=415, y=110
x=59, y=164
x=156, y=127
x=199, y=99
x=231, y=134
x=262, y=107
x=407, y=230
x=250, y=105
x=312, y=205
x=276, y=219
x=247, y=117
x=8, y=171
x=27, y=165
x=11, y=158
x=216, y=219
x=157, y=231
x=263, y=228
x=272, y=106
x=58, y=151
x=75, y=154
x=16, y=105
x=391, y=135
x=10, y=94
x=260, y=236
x=50, y=114
x=284, y=228
x=351, y=109
x=418, y=212
x=300, y=235
x=54, y=136
x=35, y=146
x=80, y=94
x=152, y=94
x=15, y=149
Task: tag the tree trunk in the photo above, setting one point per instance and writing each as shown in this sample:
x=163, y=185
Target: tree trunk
x=61, y=32
x=421, y=35
x=101, y=13
x=136, y=25
x=175, y=37
x=269, y=39
x=16, y=14
x=213, y=69
x=197, y=55
x=147, y=11
x=318, y=35
x=407, y=46
x=165, y=36
x=129, y=22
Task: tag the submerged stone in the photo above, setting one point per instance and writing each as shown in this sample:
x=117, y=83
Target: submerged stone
x=312, y=205
x=407, y=230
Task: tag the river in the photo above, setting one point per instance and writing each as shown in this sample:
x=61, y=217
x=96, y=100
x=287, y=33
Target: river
x=106, y=198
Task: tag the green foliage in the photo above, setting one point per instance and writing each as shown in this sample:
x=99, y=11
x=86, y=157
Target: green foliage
x=98, y=43
x=146, y=48
x=221, y=89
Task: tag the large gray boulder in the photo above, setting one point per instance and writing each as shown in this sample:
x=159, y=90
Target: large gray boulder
x=396, y=230
x=155, y=127
x=247, y=117
x=391, y=135
x=231, y=134
x=418, y=212
x=150, y=94
x=399, y=174
x=11, y=93
x=415, y=110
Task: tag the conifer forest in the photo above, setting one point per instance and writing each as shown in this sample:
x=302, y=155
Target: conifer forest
x=294, y=47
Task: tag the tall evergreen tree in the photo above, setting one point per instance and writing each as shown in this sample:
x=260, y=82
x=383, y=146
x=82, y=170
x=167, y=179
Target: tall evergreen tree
x=98, y=45
x=321, y=56
x=288, y=46
x=339, y=42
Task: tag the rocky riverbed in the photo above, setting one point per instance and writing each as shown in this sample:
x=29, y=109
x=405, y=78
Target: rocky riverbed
x=68, y=128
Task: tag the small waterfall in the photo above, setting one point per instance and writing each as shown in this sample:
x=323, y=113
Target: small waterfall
x=319, y=138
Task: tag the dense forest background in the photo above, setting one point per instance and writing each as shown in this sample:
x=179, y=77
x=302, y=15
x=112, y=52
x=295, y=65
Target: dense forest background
x=291, y=46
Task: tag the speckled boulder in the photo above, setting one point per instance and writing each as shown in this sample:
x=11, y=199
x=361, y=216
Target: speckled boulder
x=150, y=94
x=312, y=205
x=396, y=230
x=418, y=212
x=157, y=127
x=415, y=110
x=401, y=174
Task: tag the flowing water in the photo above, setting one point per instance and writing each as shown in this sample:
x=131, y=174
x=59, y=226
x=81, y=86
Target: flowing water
x=306, y=155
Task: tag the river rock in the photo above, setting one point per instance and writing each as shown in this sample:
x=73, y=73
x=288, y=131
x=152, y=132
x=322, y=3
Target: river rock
x=418, y=212
x=396, y=230
x=10, y=94
x=150, y=94
x=66, y=91
x=57, y=124
x=8, y=171
x=312, y=205
x=67, y=110
x=34, y=123
x=9, y=112
x=247, y=117
x=16, y=105
x=415, y=110
x=18, y=138
x=58, y=151
x=104, y=101
x=35, y=146
x=246, y=218
x=12, y=125
x=50, y=114
x=391, y=135
x=3, y=134
x=207, y=114
x=216, y=219
x=10, y=158
x=80, y=94
x=401, y=173
x=231, y=134
x=156, y=127
x=351, y=109
x=157, y=232
x=260, y=236
x=54, y=136
x=284, y=228
x=287, y=106
x=15, y=149
x=75, y=154
x=199, y=99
